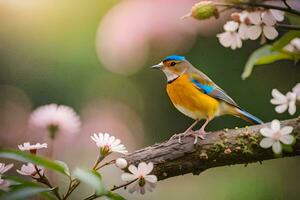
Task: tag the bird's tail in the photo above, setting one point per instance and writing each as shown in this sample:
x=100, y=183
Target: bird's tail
x=247, y=116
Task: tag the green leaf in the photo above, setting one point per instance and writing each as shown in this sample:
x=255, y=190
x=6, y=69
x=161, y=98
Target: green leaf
x=293, y=19
x=17, y=182
x=287, y=148
x=285, y=40
x=261, y=56
x=114, y=196
x=14, y=180
x=91, y=178
x=22, y=193
x=65, y=166
x=28, y=157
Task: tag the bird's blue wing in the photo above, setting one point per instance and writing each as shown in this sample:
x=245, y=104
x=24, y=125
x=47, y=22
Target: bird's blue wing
x=211, y=89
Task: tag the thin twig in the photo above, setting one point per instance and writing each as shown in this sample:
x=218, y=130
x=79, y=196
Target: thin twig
x=253, y=4
x=43, y=179
x=107, y=163
x=124, y=185
x=94, y=196
x=288, y=26
x=76, y=182
x=287, y=5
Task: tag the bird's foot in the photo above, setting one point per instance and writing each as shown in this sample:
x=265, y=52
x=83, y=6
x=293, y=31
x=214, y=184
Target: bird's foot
x=197, y=134
x=179, y=136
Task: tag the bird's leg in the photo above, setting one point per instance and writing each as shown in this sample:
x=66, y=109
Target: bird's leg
x=185, y=132
x=201, y=133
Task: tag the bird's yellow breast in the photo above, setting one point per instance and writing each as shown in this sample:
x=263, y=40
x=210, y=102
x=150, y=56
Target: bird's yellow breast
x=190, y=101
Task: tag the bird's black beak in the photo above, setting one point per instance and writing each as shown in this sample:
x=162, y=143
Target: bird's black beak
x=158, y=66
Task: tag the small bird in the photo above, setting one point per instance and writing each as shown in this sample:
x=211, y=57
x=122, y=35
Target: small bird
x=197, y=96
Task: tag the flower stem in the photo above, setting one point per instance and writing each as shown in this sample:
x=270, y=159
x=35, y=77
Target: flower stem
x=124, y=185
x=287, y=5
x=107, y=163
x=94, y=196
x=73, y=184
x=99, y=159
x=43, y=179
x=253, y=4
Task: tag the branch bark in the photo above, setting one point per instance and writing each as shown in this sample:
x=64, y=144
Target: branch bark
x=220, y=148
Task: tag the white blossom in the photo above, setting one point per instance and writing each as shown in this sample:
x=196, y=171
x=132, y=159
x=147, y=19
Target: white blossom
x=296, y=90
x=293, y=46
x=244, y=25
x=277, y=14
x=284, y=102
x=4, y=168
x=31, y=170
x=4, y=184
x=275, y=135
x=230, y=38
x=121, y=163
x=263, y=24
x=108, y=144
x=56, y=118
x=32, y=147
x=144, y=181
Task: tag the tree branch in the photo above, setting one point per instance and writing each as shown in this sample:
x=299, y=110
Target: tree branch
x=220, y=148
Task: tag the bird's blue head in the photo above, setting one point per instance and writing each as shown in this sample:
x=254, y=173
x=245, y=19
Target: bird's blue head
x=174, y=58
x=173, y=66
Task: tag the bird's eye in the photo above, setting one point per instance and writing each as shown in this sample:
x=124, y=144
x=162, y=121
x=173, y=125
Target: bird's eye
x=173, y=64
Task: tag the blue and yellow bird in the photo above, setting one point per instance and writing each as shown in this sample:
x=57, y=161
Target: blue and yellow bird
x=197, y=96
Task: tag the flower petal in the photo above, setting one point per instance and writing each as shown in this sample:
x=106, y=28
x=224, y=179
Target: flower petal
x=254, y=32
x=6, y=168
x=142, y=168
x=287, y=139
x=243, y=31
x=151, y=178
x=266, y=143
x=278, y=14
x=134, y=188
x=133, y=169
x=278, y=95
x=275, y=125
x=225, y=39
x=276, y=147
x=286, y=130
x=128, y=177
x=149, y=168
x=255, y=17
x=267, y=132
x=268, y=18
x=292, y=107
x=281, y=108
x=231, y=26
x=270, y=32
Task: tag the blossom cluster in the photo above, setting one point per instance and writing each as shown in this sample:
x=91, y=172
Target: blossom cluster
x=287, y=101
x=251, y=25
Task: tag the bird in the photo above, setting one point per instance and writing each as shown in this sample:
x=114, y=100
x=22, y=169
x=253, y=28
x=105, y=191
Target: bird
x=195, y=95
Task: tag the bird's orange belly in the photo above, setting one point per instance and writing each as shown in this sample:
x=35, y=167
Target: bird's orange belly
x=190, y=101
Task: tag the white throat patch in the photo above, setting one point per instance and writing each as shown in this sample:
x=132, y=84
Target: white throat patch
x=170, y=76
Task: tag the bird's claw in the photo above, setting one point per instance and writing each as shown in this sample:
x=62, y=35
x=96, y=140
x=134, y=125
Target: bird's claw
x=199, y=134
x=177, y=136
